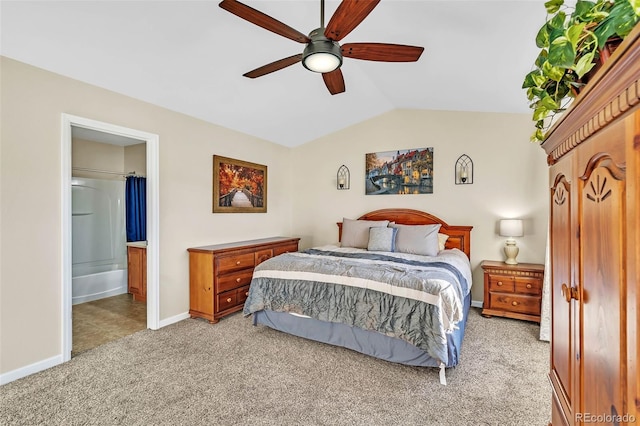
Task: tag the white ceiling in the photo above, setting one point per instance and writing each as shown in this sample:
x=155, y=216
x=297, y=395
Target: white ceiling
x=189, y=56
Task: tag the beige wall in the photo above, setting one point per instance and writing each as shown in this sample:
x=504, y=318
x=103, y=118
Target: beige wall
x=510, y=178
x=97, y=156
x=32, y=101
x=135, y=159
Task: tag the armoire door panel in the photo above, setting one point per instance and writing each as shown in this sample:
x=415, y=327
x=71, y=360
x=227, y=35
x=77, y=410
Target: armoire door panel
x=561, y=341
x=603, y=289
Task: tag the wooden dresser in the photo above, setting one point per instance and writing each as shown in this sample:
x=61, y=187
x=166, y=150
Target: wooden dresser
x=137, y=272
x=220, y=275
x=512, y=291
x=594, y=158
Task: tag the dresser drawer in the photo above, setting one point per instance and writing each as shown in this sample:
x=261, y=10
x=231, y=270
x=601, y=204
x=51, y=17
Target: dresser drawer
x=502, y=283
x=234, y=263
x=241, y=294
x=515, y=303
x=289, y=248
x=262, y=255
x=227, y=300
x=531, y=286
x=234, y=280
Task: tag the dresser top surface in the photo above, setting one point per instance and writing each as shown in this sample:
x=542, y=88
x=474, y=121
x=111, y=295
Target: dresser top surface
x=243, y=244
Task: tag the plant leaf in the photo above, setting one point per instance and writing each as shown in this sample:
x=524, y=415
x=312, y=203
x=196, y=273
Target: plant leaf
x=573, y=34
x=561, y=53
x=553, y=6
x=551, y=72
x=542, y=38
x=635, y=5
x=540, y=113
x=528, y=79
x=557, y=22
x=542, y=58
x=582, y=10
x=585, y=64
x=549, y=103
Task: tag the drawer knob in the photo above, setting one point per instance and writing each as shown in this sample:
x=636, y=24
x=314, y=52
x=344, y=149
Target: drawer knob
x=238, y=262
x=499, y=282
x=246, y=293
x=237, y=280
x=529, y=286
x=228, y=300
x=514, y=303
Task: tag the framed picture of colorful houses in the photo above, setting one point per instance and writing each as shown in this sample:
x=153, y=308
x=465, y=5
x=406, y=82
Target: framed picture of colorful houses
x=406, y=171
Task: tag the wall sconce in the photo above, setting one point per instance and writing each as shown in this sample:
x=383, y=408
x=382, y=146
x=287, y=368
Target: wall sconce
x=343, y=177
x=511, y=228
x=464, y=170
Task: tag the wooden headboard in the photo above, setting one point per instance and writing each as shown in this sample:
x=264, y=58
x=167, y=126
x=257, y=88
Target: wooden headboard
x=459, y=236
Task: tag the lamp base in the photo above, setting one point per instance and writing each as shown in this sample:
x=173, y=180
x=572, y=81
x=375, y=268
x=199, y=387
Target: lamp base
x=511, y=251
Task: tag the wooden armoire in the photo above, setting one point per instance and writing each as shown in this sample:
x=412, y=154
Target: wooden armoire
x=594, y=158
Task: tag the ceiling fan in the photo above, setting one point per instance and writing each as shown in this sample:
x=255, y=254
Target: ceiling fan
x=323, y=53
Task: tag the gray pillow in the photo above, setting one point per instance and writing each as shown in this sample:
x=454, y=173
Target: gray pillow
x=382, y=239
x=355, y=233
x=417, y=239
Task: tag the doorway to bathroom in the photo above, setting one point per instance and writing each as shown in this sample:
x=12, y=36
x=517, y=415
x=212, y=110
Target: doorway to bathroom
x=103, y=296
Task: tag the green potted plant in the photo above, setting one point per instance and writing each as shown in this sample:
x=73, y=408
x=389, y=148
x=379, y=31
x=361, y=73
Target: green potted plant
x=573, y=41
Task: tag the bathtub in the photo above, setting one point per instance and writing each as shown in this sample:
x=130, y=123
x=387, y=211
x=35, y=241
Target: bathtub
x=102, y=281
x=99, y=253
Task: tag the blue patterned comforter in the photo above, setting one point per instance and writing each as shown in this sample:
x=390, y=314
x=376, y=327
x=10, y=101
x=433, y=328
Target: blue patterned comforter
x=415, y=298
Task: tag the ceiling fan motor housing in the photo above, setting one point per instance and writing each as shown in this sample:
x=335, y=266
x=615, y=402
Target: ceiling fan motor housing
x=322, y=46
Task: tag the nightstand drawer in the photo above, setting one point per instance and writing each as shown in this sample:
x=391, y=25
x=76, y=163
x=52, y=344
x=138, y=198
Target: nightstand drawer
x=515, y=303
x=234, y=280
x=501, y=283
x=528, y=286
x=235, y=263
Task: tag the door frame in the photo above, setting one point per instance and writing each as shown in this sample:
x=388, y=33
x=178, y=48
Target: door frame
x=153, y=221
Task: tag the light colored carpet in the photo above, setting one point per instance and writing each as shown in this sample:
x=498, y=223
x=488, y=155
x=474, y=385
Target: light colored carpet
x=233, y=373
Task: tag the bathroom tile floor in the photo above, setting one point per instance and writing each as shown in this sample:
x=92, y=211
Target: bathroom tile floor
x=100, y=321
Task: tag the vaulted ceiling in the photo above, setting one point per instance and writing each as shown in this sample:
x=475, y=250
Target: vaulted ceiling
x=189, y=56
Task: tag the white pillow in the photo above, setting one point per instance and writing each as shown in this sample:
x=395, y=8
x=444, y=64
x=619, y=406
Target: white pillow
x=382, y=239
x=442, y=240
x=417, y=239
x=355, y=233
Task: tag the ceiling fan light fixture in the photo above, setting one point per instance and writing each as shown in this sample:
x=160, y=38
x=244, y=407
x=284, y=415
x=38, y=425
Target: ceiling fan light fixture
x=321, y=54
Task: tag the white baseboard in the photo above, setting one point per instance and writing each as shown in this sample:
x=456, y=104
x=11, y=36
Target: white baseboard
x=476, y=304
x=174, y=319
x=30, y=369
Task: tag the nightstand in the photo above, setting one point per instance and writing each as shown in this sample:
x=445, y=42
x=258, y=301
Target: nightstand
x=512, y=291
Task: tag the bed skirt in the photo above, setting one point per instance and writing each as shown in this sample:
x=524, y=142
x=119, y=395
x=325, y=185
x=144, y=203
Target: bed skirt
x=367, y=342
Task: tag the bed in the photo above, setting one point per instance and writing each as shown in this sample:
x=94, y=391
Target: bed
x=384, y=290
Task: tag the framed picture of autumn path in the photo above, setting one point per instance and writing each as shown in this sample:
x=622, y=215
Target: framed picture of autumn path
x=238, y=186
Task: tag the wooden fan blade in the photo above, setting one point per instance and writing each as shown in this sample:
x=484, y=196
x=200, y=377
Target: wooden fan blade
x=334, y=81
x=384, y=52
x=265, y=21
x=348, y=16
x=274, y=66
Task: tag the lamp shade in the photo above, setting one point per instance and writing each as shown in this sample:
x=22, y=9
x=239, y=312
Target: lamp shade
x=511, y=228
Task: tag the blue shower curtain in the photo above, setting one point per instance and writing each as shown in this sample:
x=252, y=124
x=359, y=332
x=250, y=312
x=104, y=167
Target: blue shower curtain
x=136, y=208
